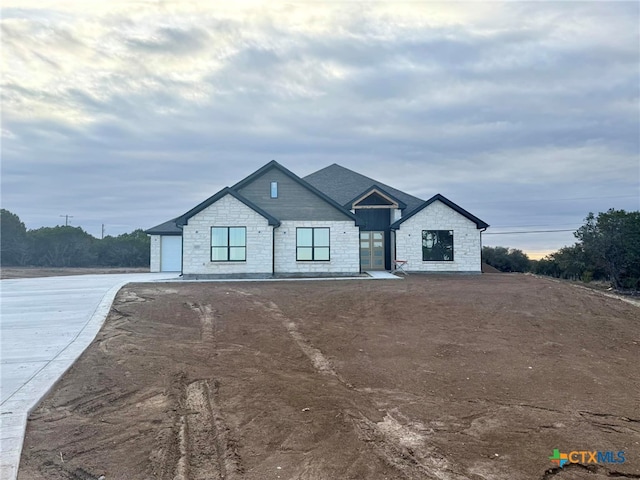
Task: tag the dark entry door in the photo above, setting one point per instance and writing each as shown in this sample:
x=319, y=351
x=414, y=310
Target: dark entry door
x=372, y=250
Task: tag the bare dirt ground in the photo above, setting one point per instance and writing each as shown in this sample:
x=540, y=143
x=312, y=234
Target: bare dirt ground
x=33, y=272
x=434, y=377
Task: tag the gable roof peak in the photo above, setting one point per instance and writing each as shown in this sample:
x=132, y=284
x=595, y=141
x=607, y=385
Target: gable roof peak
x=183, y=219
x=439, y=197
x=373, y=190
x=343, y=185
x=261, y=170
x=300, y=181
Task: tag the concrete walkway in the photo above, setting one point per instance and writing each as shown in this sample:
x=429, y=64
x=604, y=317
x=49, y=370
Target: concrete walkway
x=45, y=325
x=381, y=275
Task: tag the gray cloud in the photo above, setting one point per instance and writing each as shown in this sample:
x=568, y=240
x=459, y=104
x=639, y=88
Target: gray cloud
x=525, y=114
x=170, y=41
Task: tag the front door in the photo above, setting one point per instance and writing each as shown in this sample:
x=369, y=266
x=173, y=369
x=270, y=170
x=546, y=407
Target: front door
x=372, y=251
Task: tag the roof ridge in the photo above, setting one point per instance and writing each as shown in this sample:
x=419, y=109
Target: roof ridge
x=339, y=166
x=369, y=179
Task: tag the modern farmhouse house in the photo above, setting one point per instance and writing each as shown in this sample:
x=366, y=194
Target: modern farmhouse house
x=332, y=222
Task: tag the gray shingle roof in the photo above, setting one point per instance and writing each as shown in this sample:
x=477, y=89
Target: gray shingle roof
x=166, y=228
x=338, y=183
x=344, y=185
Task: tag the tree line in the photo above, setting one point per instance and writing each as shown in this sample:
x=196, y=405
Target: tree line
x=607, y=248
x=66, y=246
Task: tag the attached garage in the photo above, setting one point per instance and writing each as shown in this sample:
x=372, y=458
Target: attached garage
x=166, y=247
x=170, y=253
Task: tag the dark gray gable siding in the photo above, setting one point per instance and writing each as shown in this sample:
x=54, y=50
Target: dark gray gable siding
x=344, y=185
x=374, y=199
x=294, y=202
x=377, y=190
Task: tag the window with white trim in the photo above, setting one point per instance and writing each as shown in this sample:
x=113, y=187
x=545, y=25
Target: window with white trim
x=228, y=244
x=312, y=244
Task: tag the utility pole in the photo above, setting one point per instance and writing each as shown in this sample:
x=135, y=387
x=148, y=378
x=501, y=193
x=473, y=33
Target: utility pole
x=66, y=219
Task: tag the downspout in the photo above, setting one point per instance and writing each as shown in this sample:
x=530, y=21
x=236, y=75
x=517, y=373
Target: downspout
x=273, y=251
x=181, y=251
x=359, y=261
x=395, y=252
x=482, y=230
x=357, y=224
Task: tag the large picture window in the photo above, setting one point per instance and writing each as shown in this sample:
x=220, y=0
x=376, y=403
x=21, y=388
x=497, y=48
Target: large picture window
x=437, y=245
x=228, y=244
x=312, y=244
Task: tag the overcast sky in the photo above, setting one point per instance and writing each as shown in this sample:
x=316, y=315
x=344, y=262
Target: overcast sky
x=129, y=113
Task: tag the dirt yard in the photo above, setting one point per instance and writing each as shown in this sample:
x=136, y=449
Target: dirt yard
x=430, y=377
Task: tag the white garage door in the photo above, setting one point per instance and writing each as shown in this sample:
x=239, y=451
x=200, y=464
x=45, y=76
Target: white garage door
x=171, y=253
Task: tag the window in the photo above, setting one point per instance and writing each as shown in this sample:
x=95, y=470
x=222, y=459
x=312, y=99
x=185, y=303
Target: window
x=228, y=244
x=437, y=245
x=274, y=189
x=312, y=244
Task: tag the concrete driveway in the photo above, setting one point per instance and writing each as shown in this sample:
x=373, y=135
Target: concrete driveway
x=45, y=324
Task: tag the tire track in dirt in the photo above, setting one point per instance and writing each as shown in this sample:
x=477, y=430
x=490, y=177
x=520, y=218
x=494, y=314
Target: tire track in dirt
x=207, y=317
x=319, y=361
x=317, y=358
x=402, y=446
x=182, y=465
x=205, y=447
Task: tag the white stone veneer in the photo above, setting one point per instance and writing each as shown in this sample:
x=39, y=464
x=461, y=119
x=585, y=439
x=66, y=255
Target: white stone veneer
x=227, y=212
x=438, y=216
x=154, y=262
x=344, y=240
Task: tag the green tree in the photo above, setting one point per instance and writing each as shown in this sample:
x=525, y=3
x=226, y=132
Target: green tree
x=68, y=246
x=611, y=241
x=14, y=247
x=571, y=262
x=506, y=259
x=62, y=247
x=126, y=250
x=547, y=266
x=519, y=260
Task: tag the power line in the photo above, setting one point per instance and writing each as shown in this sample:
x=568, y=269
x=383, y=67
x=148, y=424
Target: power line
x=538, y=225
x=549, y=199
x=528, y=231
